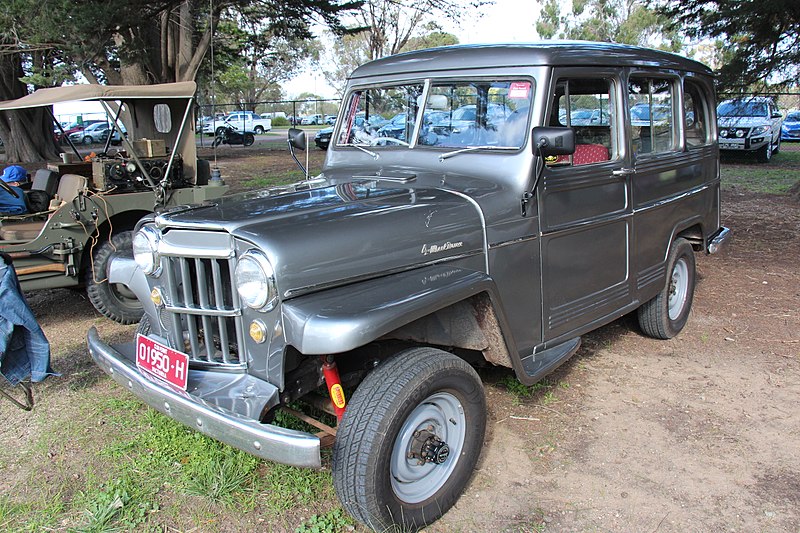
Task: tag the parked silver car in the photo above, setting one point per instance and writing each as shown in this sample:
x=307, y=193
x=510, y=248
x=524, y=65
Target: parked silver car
x=751, y=124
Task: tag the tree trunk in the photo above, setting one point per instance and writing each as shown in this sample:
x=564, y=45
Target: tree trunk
x=26, y=133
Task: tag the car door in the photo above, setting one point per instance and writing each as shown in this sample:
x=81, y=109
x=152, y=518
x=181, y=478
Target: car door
x=585, y=212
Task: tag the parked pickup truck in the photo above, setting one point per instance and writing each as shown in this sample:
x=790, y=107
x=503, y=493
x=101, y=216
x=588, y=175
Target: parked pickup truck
x=241, y=121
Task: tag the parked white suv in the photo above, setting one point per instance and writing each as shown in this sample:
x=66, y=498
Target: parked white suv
x=751, y=124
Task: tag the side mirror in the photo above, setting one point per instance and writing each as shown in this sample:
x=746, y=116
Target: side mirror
x=776, y=114
x=551, y=141
x=297, y=139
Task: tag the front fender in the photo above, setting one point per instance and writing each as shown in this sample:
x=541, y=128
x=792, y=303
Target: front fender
x=124, y=270
x=344, y=318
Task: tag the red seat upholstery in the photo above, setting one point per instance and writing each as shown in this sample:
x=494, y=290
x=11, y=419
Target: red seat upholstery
x=586, y=154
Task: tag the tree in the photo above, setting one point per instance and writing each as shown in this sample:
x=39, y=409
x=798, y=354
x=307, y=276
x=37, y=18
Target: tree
x=761, y=39
x=386, y=27
x=617, y=21
x=132, y=42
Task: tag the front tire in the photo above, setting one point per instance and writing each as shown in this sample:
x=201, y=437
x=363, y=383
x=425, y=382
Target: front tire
x=409, y=440
x=114, y=301
x=765, y=153
x=87, y=140
x=664, y=316
x=217, y=141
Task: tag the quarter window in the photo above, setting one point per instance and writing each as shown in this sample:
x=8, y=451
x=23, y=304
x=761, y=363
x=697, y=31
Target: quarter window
x=695, y=114
x=651, y=115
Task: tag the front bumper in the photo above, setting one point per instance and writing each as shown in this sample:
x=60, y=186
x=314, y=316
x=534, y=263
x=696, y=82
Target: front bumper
x=269, y=442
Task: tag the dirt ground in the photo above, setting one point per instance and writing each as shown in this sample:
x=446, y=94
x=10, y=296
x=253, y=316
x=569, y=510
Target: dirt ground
x=699, y=433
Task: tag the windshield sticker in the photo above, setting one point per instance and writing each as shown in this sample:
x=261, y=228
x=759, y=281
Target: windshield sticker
x=519, y=89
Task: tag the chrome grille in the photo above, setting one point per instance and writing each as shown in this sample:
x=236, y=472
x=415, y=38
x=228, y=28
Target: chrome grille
x=201, y=312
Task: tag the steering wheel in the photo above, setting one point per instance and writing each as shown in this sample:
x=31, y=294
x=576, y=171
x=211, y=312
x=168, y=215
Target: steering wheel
x=376, y=140
x=6, y=187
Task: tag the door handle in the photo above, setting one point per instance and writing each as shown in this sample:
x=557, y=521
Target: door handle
x=623, y=171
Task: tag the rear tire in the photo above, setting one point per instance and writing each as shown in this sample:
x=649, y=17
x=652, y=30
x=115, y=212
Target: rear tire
x=114, y=301
x=258, y=130
x=664, y=316
x=409, y=440
x=248, y=139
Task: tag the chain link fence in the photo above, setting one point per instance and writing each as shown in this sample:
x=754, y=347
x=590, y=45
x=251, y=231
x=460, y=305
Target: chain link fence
x=318, y=111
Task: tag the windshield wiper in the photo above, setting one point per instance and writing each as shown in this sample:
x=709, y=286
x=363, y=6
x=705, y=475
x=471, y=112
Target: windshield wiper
x=448, y=155
x=370, y=152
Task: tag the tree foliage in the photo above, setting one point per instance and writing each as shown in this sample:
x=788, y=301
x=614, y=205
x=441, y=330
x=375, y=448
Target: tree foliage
x=138, y=42
x=386, y=27
x=617, y=21
x=760, y=39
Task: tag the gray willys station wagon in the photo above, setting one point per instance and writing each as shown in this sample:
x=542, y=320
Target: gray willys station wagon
x=494, y=235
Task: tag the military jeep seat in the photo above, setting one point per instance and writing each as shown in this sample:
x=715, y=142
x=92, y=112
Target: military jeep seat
x=69, y=187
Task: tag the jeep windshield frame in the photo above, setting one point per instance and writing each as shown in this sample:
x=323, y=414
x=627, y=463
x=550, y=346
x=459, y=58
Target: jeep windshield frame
x=454, y=115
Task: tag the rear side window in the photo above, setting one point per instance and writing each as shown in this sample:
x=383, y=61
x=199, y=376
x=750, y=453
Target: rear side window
x=653, y=128
x=586, y=105
x=695, y=114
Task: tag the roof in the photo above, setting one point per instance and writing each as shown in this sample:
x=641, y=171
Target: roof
x=548, y=53
x=93, y=92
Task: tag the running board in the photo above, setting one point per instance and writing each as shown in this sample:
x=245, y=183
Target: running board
x=538, y=365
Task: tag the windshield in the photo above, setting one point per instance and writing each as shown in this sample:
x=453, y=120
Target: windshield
x=793, y=117
x=740, y=108
x=461, y=114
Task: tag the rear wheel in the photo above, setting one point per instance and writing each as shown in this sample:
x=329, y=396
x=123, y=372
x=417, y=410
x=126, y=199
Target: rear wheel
x=115, y=301
x=258, y=130
x=409, y=440
x=664, y=316
x=248, y=139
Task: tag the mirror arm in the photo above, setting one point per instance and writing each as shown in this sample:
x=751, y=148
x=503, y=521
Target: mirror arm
x=299, y=164
x=527, y=196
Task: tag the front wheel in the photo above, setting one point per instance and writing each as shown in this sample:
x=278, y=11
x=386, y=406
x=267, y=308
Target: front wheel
x=88, y=140
x=409, y=440
x=217, y=141
x=765, y=153
x=248, y=139
x=664, y=316
x=115, y=301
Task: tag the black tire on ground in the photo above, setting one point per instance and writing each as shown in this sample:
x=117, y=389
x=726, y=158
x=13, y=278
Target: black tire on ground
x=144, y=326
x=664, y=316
x=777, y=148
x=401, y=415
x=217, y=141
x=88, y=140
x=258, y=130
x=116, y=301
x=219, y=131
x=248, y=139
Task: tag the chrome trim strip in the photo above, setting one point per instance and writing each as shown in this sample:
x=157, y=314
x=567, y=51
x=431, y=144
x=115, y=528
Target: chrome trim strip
x=266, y=441
x=671, y=199
x=483, y=223
x=203, y=312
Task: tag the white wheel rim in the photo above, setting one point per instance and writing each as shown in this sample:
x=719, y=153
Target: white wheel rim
x=413, y=482
x=678, y=288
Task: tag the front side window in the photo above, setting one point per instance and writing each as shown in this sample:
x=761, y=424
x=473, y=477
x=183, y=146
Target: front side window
x=586, y=106
x=651, y=116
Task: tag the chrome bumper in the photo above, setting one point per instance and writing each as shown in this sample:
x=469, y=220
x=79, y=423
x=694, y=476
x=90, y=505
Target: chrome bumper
x=269, y=442
x=720, y=240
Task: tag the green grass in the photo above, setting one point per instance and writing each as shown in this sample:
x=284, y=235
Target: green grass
x=545, y=388
x=775, y=177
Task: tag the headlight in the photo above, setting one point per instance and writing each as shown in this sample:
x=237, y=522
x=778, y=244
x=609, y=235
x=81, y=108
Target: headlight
x=740, y=133
x=255, y=281
x=145, y=250
x=760, y=130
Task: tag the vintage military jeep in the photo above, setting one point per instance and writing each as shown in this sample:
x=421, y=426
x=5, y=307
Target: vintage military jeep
x=97, y=202
x=487, y=229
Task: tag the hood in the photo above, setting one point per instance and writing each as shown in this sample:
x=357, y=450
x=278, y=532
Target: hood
x=339, y=233
x=742, y=122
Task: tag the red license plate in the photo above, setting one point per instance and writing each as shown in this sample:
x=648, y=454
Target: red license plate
x=162, y=361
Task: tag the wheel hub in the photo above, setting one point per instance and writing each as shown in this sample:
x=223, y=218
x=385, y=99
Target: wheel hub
x=428, y=448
